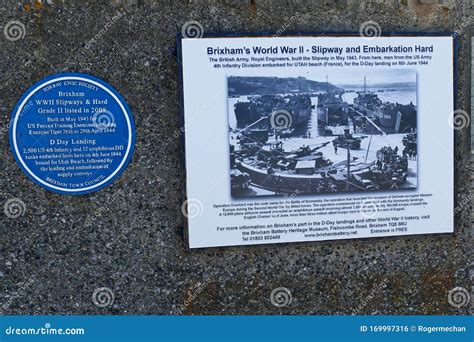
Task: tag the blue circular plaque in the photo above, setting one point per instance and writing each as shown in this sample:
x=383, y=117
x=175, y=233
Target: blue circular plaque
x=72, y=133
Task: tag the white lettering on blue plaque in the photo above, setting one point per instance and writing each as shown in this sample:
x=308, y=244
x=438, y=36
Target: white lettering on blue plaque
x=72, y=133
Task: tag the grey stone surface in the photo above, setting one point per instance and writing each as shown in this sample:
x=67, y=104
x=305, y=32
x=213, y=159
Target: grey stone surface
x=129, y=236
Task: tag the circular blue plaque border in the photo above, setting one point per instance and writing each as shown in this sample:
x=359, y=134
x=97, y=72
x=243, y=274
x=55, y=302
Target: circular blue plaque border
x=78, y=77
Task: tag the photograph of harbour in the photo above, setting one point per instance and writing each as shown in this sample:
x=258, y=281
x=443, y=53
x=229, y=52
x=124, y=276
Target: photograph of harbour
x=353, y=132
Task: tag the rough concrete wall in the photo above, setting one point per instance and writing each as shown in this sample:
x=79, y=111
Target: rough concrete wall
x=129, y=237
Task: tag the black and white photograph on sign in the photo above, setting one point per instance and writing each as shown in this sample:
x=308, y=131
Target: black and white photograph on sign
x=325, y=133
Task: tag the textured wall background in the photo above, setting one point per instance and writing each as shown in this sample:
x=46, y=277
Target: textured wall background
x=128, y=237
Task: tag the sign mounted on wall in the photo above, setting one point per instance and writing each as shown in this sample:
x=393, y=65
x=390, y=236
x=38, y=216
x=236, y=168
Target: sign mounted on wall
x=306, y=138
x=72, y=133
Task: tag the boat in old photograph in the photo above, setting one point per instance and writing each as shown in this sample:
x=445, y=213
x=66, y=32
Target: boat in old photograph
x=299, y=106
x=332, y=110
x=340, y=139
x=389, y=116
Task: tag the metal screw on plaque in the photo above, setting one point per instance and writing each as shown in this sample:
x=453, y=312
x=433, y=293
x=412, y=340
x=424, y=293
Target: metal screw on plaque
x=458, y=297
x=281, y=297
x=14, y=208
x=192, y=29
x=102, y=297
x=14, y=30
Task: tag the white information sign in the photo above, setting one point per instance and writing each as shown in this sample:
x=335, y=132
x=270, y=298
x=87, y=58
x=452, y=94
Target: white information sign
x=292, y=139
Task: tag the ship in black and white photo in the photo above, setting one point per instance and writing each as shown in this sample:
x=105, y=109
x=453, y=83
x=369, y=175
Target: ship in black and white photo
x=390, y=116
x=299, y=107
x=332, y=110
x=340, y=137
